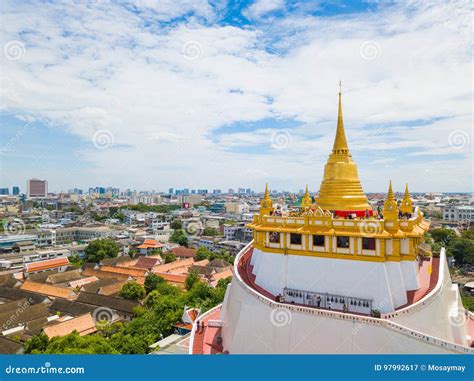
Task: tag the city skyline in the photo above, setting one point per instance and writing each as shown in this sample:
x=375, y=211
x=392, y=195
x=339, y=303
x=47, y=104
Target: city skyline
x=206, y=96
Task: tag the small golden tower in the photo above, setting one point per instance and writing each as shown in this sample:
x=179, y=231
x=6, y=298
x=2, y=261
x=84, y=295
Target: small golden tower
x=266, y=205
x=390, y=207
x=306, y=201
x=407, y=205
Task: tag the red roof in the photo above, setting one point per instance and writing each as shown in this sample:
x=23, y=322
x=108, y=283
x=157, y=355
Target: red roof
x=183, y=252
x=150, y=244
x=47, y=264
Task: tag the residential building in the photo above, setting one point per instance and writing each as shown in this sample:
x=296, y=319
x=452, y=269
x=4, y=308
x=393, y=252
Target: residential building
x=458, y=213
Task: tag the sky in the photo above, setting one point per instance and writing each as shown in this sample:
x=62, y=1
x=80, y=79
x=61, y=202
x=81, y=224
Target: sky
x=151, y=95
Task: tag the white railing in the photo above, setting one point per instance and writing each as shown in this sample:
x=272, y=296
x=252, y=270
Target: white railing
x=346, y=316
x=200, y=318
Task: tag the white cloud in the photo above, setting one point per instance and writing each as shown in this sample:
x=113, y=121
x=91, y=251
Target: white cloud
x=262, y=7
x=96, y=66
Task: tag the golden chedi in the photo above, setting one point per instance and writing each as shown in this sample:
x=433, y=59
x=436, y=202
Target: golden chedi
x=341, y=189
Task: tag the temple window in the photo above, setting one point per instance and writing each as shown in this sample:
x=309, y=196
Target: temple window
x=368, y=243
x=274, y=237
x=295, y=239
x=343, y=242
x=318, y=240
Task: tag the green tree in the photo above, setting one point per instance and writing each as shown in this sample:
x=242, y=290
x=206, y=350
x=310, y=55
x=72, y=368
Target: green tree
x=151, y=282
x=442, y=235
x=132, y=291
x=169, y=257
x=192, y=278
x=100, y=249
x=210, y=232
x=463, y=251
x=37, y=344
x=179, y=237
x=128, y=344
x=176, y=224
x=468, y=234
x=75, y=344
x=202, y=253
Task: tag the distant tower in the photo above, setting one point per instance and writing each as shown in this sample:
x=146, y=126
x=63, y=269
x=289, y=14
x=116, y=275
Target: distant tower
x=37, y=188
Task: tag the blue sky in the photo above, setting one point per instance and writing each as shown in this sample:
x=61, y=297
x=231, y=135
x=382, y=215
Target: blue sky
x=215, y=94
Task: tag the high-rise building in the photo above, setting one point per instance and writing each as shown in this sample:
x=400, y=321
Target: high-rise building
x=37, y=188
x=336, y=276
x=16, y=191
x=4, y=191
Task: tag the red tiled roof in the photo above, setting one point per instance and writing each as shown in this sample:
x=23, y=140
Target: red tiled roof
x=111, y=289
x=183, y=252
x=47, y=264
x=83, y=281
x=173, y=278
x=46, y=289
x=150, y=244
x=147, y=262
x=84, y=325
x=124, y=270
x=180, y=266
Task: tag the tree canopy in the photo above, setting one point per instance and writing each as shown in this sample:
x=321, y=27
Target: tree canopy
x=132, y=291
x=100, y=249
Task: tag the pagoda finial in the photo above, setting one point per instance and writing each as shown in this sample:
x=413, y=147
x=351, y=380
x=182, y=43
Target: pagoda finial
x=390, y=207
x=390, y=195
x=340, y=142
x=406, y=206
x=306, y=201
x=266, y=205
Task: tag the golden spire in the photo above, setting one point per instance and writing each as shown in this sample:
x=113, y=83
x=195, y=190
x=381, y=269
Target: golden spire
x=341, y=189
x=406, y=206
x=390, y=195
x=390, y=207
x=340, y=142
x=266, y=205
x=306, y=201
